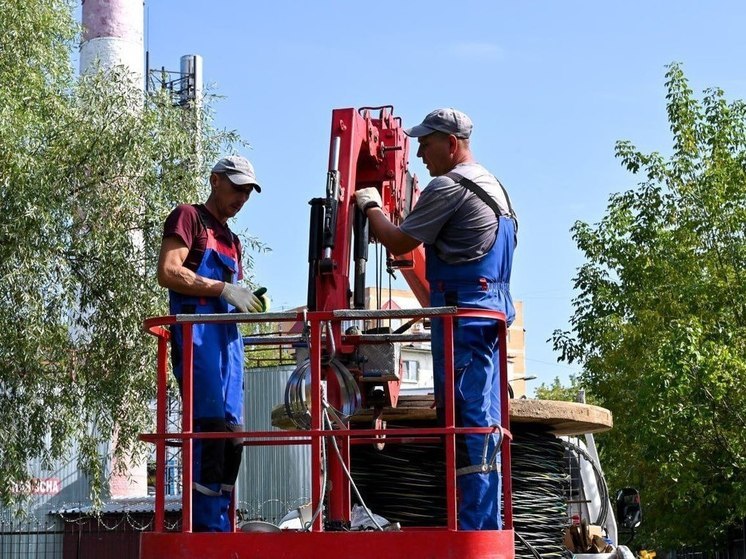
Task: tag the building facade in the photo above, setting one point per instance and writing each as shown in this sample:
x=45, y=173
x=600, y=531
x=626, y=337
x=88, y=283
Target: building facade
x=417, y=364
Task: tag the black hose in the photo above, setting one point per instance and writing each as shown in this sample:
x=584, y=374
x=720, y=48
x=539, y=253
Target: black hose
x=603, y=490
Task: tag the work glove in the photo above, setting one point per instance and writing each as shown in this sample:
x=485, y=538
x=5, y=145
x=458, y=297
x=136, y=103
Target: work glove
x=241, y=298
x=368, y=198
x=261, y=294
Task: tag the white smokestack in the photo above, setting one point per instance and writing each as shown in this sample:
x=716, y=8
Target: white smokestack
x=113, y=35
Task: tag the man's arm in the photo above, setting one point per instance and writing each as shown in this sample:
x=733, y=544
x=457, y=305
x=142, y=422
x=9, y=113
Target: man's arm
x=389, y=234
x=173, y=275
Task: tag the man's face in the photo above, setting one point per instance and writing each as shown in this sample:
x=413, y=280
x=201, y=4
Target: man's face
x=436, y=153
x=229, y=197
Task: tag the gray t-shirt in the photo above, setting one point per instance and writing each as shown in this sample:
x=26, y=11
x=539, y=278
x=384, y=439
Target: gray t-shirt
x=451, y=217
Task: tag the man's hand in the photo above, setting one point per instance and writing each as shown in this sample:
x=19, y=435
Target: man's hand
x=368, y=198
x=241, y=298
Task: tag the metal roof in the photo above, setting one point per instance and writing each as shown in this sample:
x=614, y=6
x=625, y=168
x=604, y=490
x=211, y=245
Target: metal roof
x=129, y=505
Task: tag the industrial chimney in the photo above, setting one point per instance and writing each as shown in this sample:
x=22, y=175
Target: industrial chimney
x=113, y=36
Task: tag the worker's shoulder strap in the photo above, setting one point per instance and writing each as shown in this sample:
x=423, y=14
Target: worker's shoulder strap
x=208, y=222
x=203, y=215
x=483, y=196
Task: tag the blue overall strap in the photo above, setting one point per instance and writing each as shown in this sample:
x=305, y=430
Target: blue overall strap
x=479, y=191
x=486, y=198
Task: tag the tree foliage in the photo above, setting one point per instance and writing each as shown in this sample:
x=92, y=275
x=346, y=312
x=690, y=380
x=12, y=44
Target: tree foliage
x=89, y=168
x=557, y=391
x=659, y=321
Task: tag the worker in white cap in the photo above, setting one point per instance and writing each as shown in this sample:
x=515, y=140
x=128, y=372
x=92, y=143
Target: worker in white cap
x=200, y=264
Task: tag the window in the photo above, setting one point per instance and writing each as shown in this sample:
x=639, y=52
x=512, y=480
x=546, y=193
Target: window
x=411, y=371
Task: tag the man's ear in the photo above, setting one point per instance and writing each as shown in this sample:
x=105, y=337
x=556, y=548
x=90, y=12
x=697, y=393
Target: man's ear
x=452, y=144
x=213, y=180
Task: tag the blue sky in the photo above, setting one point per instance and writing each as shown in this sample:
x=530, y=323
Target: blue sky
x=550, y=86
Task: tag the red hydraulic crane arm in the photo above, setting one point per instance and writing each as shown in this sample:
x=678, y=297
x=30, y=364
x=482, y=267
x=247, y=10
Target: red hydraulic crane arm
x=364, y=152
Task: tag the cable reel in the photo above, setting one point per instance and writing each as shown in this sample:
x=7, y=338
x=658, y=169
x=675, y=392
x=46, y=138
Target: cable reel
x=298, y=393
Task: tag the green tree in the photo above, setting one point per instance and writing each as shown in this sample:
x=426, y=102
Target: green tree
x=659, y=322
x=557, y=391
x=89, y=168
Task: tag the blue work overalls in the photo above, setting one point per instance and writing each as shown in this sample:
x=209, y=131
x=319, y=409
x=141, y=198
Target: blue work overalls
x=218, y=385
x=484, y=284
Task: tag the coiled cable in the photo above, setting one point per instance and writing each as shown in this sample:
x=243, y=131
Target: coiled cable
x=540, y=485
x=298, y=392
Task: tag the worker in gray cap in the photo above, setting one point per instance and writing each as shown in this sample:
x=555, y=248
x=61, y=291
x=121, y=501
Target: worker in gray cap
x=468, y=226
x=200, y=264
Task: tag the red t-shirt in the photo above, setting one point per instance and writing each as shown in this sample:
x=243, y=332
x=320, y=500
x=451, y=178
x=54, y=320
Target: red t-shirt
x=186, y=224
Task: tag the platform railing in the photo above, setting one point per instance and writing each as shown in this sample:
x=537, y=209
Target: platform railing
x=158, y=327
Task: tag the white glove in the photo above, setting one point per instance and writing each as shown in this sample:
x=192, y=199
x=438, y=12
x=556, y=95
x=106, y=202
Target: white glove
x=241, y=298
x=368, y=198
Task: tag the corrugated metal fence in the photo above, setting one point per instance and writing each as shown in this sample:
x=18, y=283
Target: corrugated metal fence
x=30, y=538
x=273, y=479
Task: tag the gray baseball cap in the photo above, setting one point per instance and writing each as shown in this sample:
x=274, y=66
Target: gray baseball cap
x=238, y=170
x=449, y=121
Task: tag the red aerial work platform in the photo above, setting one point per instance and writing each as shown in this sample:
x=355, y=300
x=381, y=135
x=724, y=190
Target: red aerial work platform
x=364, y=152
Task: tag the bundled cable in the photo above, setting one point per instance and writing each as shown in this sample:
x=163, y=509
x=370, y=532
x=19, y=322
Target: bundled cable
x=540, y=485
x=404, y=483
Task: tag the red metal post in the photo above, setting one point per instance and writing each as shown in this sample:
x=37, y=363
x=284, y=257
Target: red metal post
x=187, y=425
x=316, y=454
x=232, y=510
x=339, y=496
x=507, y=481
x=160, y=446
x=450, y=422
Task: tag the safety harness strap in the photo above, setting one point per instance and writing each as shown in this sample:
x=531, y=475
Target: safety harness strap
x=486, y=198
x=487, y=465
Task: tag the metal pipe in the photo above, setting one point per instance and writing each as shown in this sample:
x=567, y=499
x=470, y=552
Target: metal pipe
x=113, y=36
x=507, y=479
x=317, y=476
x=360, y=255
x=335, y=154
x=191, y=79
x=332, y=200
x=187, y=428
x=450, y=422
x=315, y=234
x=331, y=208
x=160, y=447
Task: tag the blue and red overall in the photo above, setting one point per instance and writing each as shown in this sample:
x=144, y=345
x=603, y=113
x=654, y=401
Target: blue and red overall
x=482, y=284
x=218, y=383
